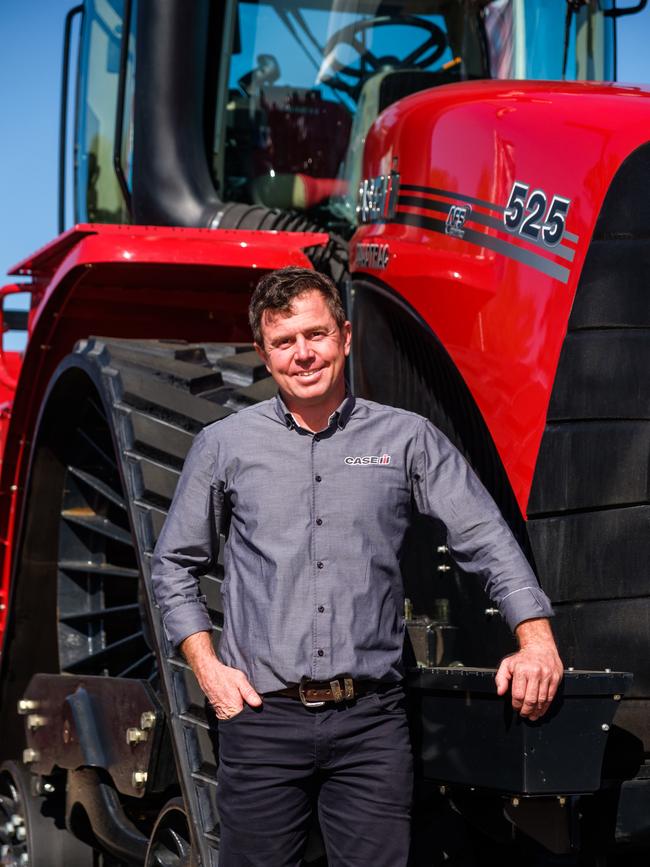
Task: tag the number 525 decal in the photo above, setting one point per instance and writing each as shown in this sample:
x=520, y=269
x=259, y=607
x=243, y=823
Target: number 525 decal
x=528, y=214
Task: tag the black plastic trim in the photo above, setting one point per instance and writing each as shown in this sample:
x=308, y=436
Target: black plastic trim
x=172, y=184
x=63, y=121
x=119, y=111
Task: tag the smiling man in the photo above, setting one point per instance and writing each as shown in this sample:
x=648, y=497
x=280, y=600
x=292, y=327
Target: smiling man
x=318, y=489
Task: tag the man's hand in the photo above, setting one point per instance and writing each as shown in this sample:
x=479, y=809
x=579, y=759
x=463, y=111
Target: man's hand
x=535, y=670
x=226, y=688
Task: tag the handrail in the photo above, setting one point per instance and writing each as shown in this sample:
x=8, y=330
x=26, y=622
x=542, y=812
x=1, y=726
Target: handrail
x=619, y=11
x=63, y=123
x=119, y=111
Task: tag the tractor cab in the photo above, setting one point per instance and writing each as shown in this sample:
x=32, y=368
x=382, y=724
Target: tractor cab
x=268, y=102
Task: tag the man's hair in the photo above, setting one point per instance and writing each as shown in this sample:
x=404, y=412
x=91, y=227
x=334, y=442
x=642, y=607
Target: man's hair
x=277, y=290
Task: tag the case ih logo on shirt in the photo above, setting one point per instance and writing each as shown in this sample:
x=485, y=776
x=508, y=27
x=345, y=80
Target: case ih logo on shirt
x=368, y=459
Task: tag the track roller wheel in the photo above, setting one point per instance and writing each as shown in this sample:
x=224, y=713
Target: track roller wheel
x=170, y=844
x=32, y=832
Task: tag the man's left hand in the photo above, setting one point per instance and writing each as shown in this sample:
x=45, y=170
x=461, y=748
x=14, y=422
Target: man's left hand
x=535, y=670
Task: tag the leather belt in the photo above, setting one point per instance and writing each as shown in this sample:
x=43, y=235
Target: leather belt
x=315, y=693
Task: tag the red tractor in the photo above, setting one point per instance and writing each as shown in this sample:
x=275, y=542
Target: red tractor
x=490, y=240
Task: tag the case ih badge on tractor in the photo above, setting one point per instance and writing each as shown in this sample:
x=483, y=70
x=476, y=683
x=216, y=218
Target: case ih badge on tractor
x=494, y=267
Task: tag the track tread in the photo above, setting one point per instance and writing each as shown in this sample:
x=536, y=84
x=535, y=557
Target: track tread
x=589, y=508
x=604, y=376
x=594, y=555
x=194, y=377
x=244, y=368
x=148, y=429
x=160, y=395
x=99, y=525
x=590, y=465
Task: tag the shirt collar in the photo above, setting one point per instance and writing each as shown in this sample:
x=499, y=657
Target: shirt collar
x=341, y=414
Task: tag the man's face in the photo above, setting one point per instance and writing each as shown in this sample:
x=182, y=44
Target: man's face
x=305, y=351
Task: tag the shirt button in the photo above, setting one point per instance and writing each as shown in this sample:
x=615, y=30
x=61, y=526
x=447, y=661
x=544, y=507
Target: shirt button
x=321, y=652
x=316, y=438
x=320, y=564
x=321, y=608
x=319, y=521
x=319, y=478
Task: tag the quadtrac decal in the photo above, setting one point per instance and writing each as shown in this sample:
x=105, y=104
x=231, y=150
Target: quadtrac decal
x=370, y=255
x=535, y=227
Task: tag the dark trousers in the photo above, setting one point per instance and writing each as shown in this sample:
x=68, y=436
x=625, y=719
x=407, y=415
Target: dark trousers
x=352, y=762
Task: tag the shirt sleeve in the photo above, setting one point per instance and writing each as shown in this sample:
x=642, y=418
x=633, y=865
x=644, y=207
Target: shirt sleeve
x=187, y=547
x=445, y=487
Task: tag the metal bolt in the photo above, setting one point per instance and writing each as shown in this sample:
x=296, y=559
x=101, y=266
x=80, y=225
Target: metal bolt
x=25, y=705
x=608, y=670
x=515, y=802
x=30, y=755
x=147, y=720
x=136, y=736
x=35, y=721
x=442, y=549
x=138, y=779
x=444, y=568
x=617, y=697
x=491, y=612
x=21, y=833
x=605, y=727
x=570, y=668
x=561, y=801
x=443, y=790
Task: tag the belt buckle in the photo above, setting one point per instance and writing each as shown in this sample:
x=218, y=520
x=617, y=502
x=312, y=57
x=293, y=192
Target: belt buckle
x=303, y=697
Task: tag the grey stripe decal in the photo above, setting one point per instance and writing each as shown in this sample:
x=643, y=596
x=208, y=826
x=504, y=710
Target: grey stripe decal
x=430, y=205
x=480, y=239
x=436, y=192
x=491, y=206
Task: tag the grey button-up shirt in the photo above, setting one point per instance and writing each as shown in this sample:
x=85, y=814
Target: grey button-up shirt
x=317, y=521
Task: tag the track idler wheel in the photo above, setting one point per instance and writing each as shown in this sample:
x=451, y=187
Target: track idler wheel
x=32, y=830
x=171, y=843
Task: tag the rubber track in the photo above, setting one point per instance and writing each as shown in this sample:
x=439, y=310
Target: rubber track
x=158, y=396
x=589, y=507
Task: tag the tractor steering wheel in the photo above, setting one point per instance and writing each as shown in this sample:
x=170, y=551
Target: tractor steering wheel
x=423, y=55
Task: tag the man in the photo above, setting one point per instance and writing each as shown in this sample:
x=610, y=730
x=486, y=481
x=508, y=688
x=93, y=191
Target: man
x=307, y=681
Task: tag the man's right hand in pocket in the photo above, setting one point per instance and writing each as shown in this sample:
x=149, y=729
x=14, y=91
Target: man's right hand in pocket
x=227, y=689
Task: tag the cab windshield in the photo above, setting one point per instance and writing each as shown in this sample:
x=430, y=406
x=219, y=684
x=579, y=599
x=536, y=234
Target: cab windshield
x=307, y=79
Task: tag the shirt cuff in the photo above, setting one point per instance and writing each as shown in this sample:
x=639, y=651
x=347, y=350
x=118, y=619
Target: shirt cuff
x=527, y=603
x=186, y=619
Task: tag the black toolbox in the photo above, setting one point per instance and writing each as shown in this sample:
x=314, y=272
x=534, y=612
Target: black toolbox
x=465, y=734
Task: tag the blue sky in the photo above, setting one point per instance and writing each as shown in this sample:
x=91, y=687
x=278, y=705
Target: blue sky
x=31, y=33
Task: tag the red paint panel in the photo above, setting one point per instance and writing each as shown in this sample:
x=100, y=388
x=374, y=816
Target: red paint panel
x=502, y=320
x=126, y=281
